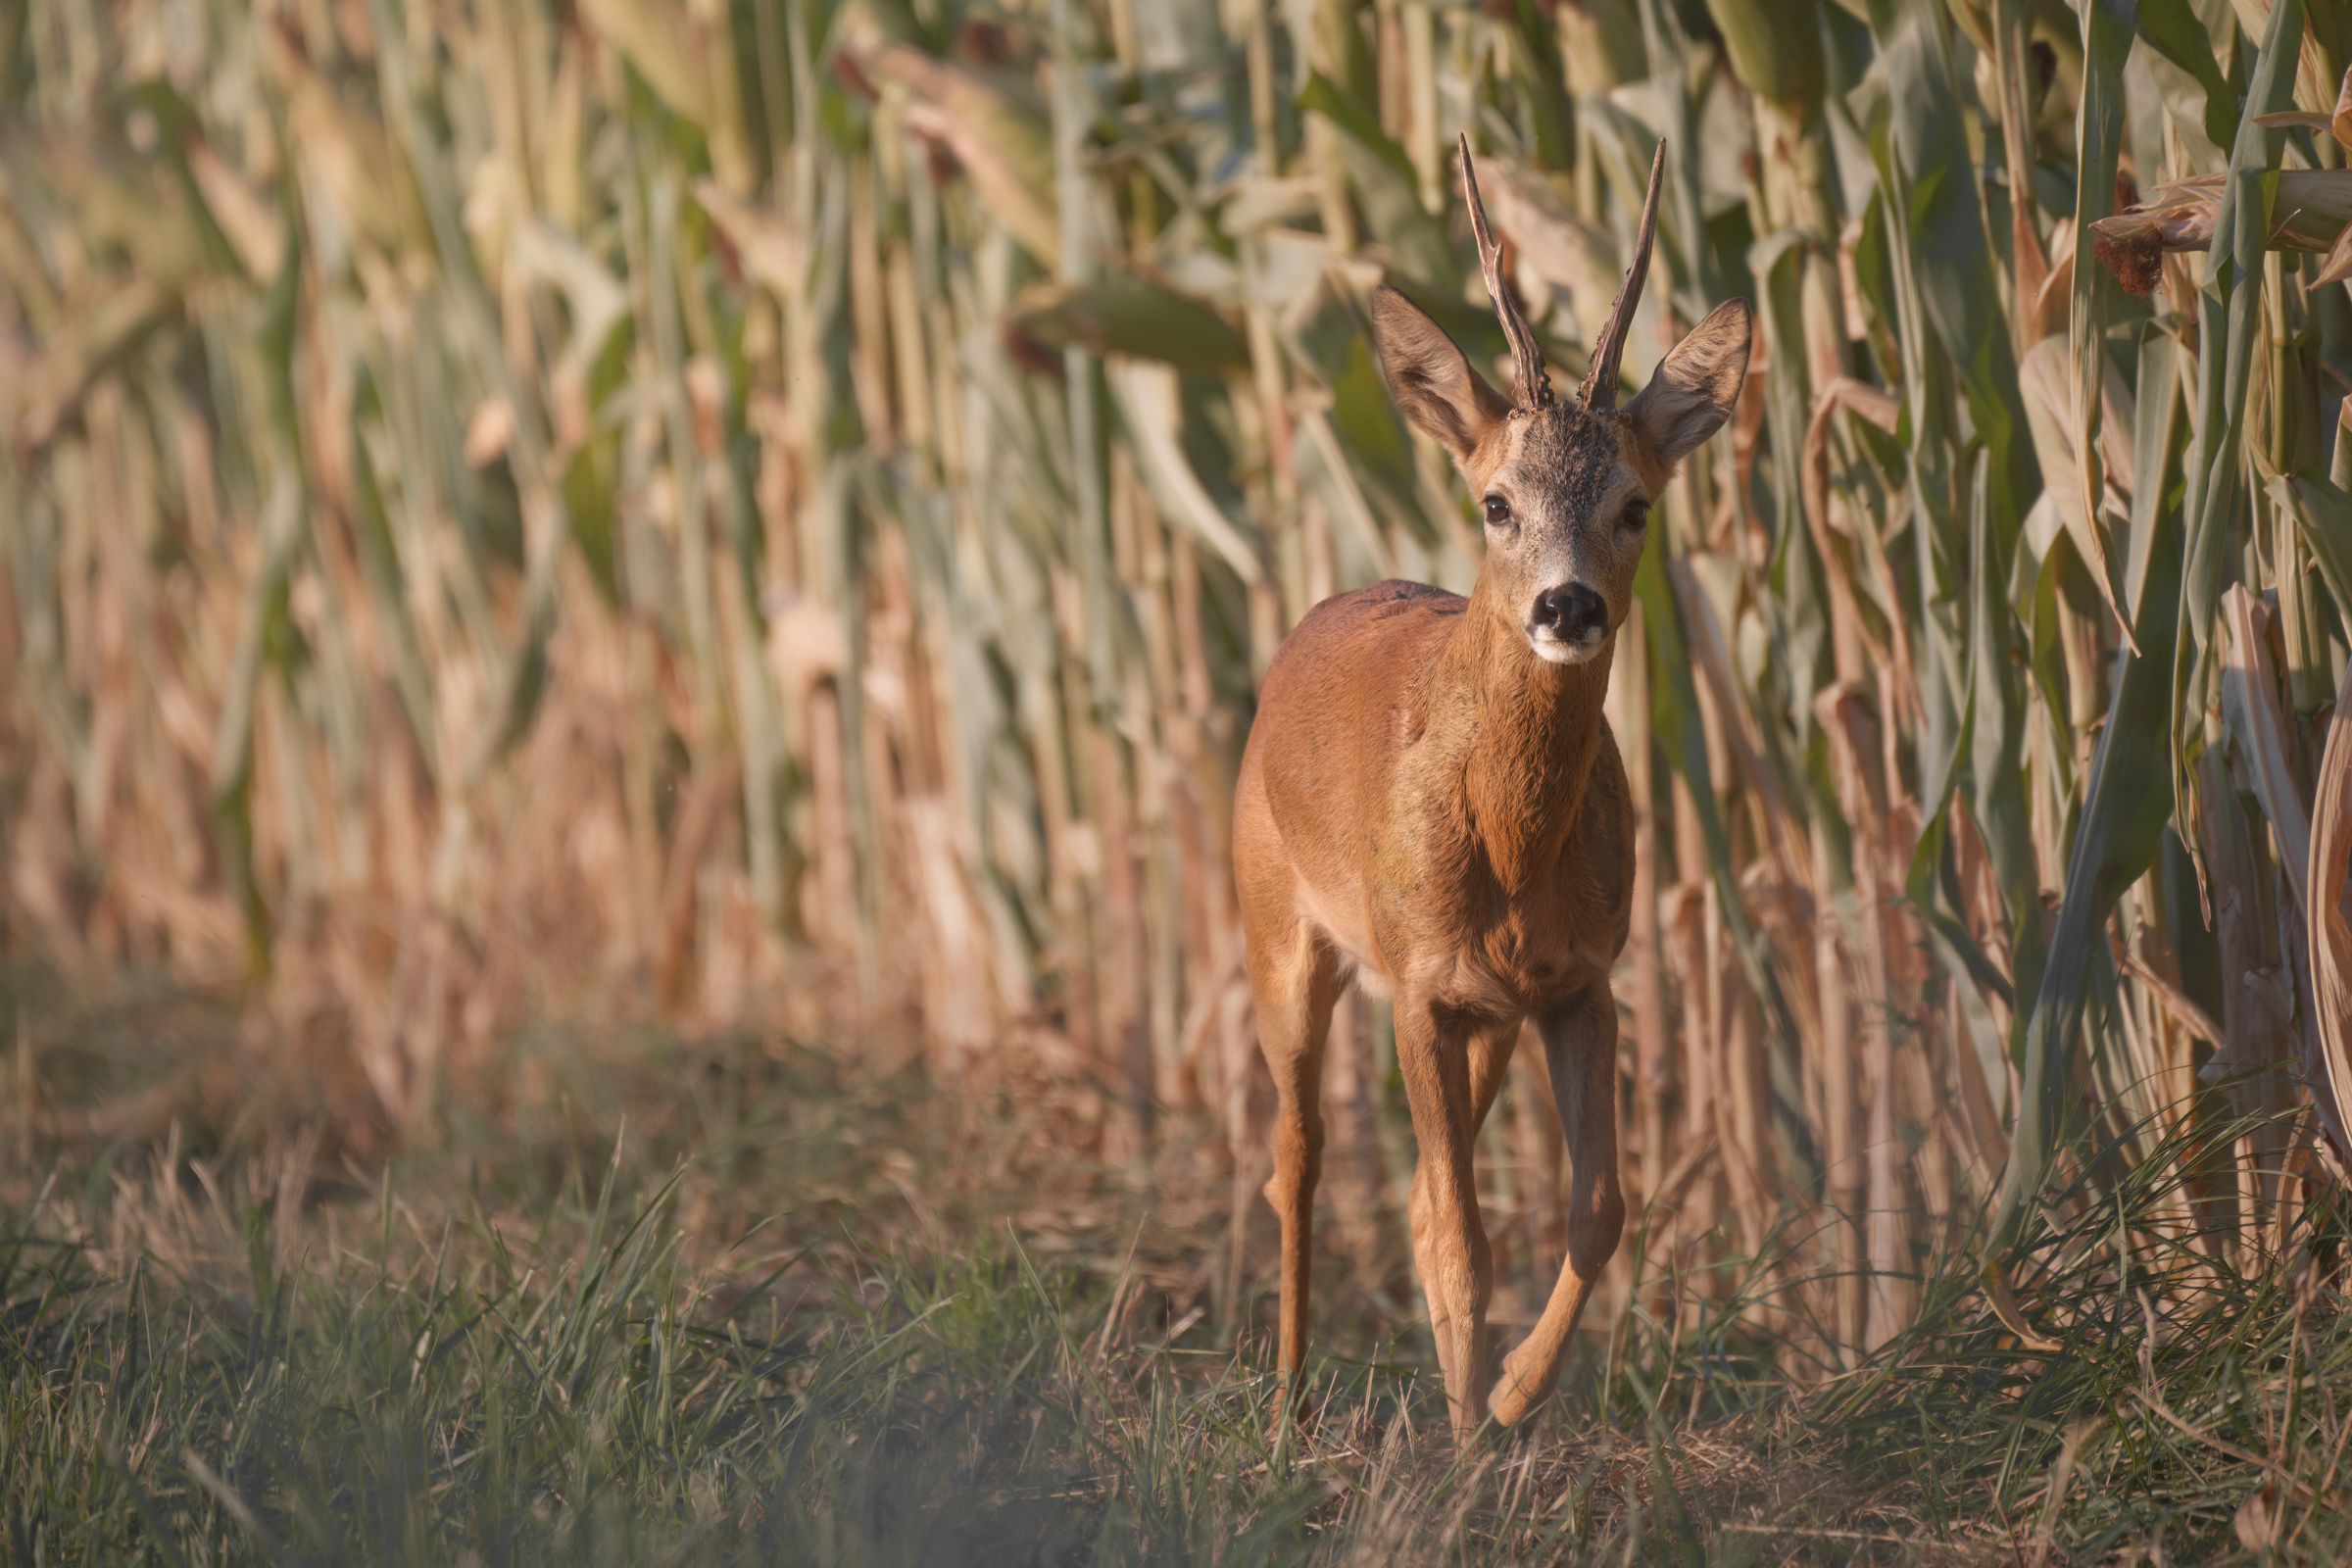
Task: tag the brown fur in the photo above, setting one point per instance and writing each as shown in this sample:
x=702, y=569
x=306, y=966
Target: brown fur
x=1430, y=806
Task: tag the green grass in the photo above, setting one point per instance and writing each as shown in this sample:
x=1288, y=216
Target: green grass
x=661, y=1303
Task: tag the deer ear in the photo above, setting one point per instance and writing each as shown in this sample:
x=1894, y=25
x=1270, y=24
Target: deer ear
x=1695, y=386
x=1431, y=378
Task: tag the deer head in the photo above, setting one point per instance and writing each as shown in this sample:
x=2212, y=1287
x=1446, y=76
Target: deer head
x=1564, y=488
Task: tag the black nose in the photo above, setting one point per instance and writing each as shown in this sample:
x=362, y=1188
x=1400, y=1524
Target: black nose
x=1573, y=612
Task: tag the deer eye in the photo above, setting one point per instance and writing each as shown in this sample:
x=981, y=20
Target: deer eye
x=1634, y=517
x=1498, y=511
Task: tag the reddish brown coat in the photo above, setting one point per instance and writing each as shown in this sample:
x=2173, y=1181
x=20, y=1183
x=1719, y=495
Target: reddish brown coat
x=1432, y=805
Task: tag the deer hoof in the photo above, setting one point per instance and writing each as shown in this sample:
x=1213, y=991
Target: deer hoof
x=1516, y=1393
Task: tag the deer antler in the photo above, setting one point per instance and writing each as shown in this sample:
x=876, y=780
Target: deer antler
x=1609, y=346
x=1600, y=390
x=1531, y=387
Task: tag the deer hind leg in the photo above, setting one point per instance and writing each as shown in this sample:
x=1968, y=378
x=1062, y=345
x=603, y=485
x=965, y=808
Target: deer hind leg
x=1294, y=980
x=1579, y=1048
x=1433, y=1055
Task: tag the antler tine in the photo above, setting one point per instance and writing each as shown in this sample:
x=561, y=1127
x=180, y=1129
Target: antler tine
x=1600, y=390
x=1531, y=387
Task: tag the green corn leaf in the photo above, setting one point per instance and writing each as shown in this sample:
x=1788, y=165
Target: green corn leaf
x=2323, y=512
x=1774, y=45
x=1384, y=182
x=2229, y=319
x=1123, y=314
x=2098, y=134
x=2174, y=30
x=2229, y=325
x=2124, y=812
x=1677, y=722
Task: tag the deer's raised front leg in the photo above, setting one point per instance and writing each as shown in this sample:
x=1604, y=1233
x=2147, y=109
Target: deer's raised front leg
x=1450, y=1244
x=1580, y=1046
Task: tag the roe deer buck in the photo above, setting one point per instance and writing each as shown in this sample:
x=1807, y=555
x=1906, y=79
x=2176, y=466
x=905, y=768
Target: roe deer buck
x=1431, y=802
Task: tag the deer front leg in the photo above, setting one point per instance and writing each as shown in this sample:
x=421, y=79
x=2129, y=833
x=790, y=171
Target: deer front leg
x=1580, y=1046
x=1449, y=1244
x=1491, y=1052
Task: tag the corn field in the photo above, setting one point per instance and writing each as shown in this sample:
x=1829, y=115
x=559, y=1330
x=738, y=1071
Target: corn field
x=773, y=511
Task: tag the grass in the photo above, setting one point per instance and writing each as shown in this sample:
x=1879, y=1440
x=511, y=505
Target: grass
x=665, y=1302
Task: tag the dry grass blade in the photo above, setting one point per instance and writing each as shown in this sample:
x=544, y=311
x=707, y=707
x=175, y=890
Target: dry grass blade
x=2327, y=927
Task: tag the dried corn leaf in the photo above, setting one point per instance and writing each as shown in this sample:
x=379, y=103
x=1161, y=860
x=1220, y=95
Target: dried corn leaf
x=2327, y=928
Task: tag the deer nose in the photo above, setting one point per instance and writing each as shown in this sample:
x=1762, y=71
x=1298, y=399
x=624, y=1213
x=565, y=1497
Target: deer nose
x=1572, y=612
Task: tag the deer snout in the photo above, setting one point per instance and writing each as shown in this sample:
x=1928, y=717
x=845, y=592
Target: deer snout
x=1569, y=614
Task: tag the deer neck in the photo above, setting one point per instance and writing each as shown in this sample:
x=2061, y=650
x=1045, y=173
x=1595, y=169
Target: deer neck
x=1533, y=733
